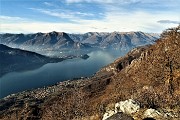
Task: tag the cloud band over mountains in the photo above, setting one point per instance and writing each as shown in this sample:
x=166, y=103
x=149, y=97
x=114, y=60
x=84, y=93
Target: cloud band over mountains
x=168, y=22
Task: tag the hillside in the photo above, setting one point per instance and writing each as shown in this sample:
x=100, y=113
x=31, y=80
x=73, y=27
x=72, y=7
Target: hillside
x=13, y=59
x=147, y=78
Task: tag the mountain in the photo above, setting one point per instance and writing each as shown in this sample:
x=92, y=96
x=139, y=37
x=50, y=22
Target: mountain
x=60, y=40
x=115, y=40
x=144, y=84
x=52, y=40
x=13, y=59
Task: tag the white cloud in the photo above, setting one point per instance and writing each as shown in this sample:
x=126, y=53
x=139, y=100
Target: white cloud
x=53, y=13
x=137, y=21
x=48, y=4
x=9, y=19
x=84, y=14
x=65, y=14
x=40, y=27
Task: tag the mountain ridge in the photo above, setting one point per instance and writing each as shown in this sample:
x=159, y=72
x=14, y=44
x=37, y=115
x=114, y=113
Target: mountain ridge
x=59, y=40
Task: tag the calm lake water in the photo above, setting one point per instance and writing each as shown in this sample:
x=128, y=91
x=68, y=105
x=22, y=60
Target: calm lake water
x=52, y=73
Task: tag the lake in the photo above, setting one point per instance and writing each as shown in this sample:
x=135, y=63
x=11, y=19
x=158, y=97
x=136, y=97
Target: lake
x=52, y=73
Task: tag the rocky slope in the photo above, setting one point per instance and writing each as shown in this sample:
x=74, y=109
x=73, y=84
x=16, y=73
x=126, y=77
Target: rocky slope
x=147, y=78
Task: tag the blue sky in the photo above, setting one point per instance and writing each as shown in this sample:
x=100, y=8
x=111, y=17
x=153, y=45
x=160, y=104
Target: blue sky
x=80, y=16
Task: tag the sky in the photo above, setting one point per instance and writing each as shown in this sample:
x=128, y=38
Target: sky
x=81, y=16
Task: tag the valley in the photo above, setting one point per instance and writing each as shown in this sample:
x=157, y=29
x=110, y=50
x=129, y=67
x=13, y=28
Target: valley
x=46, y=56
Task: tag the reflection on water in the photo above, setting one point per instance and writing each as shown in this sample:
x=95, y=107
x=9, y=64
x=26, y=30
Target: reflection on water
x=52, y=73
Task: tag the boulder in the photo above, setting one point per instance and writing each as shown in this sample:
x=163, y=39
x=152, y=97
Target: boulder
x=108, y=114
x=128, y=106
x=152, y=113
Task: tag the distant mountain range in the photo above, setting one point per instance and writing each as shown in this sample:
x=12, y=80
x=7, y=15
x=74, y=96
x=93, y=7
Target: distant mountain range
x=60, y=40
x=115, y=40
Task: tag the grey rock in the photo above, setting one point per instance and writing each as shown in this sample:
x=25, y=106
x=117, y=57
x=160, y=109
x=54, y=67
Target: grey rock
x=120, y=116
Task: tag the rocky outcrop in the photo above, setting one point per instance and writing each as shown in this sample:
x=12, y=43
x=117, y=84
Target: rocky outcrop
x=130, y=109
x=152, y=113
x=129, y=106
x=122, y=108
